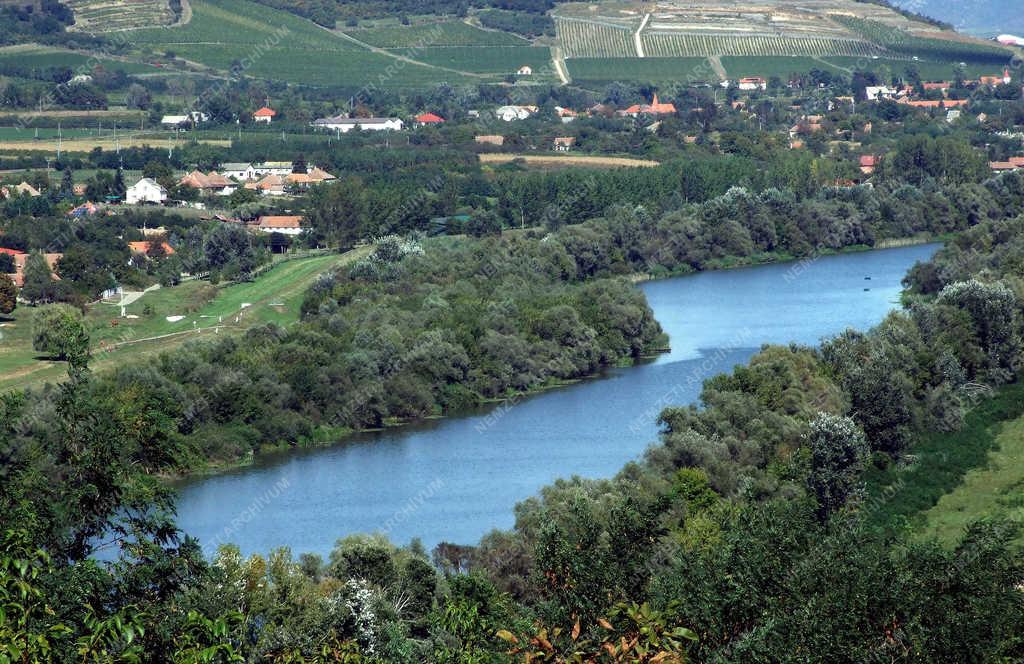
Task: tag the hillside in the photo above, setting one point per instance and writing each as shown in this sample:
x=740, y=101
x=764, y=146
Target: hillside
x=984, y=18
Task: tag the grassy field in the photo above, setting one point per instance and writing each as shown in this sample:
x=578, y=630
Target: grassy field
x=487, y=59
x=780, y=66
x=994, y=489
x=41, y=57
x=929, y=71
x=442, y=33
x=907, y=497
x=606, y=70
x=275, y=297
x=274, y=44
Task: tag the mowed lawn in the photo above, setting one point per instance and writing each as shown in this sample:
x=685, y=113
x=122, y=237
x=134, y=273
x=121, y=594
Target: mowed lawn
x=996, y=489
x=275, y=297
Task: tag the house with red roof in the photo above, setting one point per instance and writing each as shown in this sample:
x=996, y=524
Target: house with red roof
x=264, y=115
x=214, y=183
x=21, y=258
x=144, y=246
x=424, y=119
x=654, y=108
x=283, y=224
x=868, y=163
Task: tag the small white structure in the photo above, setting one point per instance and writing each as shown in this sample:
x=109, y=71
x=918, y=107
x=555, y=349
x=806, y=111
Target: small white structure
x=525, y=70
x=265, y=115
x=195, y=117
x=239, y=171
x=876, y=92
x=753, y=83
x=511, y=113
x=145, y=190
x=345, y=125
x=272, y=168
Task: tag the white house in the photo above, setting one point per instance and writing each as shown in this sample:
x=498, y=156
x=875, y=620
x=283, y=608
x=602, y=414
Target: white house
x=264, y=115
x=145, y=191
x=271, y=168
x=510, y=113
x=752, y=83
x=345, y=125
x=239, y=171
x=195, y=117
x=285, y=225
x=525, y=70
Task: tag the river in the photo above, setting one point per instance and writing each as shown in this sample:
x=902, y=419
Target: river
x=456, y=479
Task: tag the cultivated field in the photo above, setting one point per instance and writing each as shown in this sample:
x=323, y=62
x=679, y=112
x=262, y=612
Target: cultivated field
x=24, y=141
x=439, y=33
x=95, y=16
x=487, y=59
x=42, y=57
x=766, y=29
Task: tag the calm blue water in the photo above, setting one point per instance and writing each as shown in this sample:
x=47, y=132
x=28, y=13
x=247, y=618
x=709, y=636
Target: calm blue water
x=456, y=479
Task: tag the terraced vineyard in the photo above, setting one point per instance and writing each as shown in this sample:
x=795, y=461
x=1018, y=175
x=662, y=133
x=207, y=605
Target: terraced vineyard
x=663, y=44
x=908, y=43
x=95, y=16
x=594, y=39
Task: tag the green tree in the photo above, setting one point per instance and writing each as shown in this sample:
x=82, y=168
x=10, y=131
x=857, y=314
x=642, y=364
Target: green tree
x=38, y=285
x=838, y=454
x=8, y=295
x=58, y=331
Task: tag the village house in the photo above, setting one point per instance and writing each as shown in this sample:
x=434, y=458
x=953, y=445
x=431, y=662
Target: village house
x=752, y=83
x=285, y=225
x=940, y=86
x=270, y=185
x=271, y=168
x=20, y=260
x=213, y=183
x=654, y=108
x=345, y=124
x=566, y=115
x=426, y=119
x=563, y=143
x=525, y=70
x=145, y=190
x=144, y=247
x=512, y=113
x=238, y=171
x=1011, y=164
x=496, y=141
x=183, y=121
x=868, y=163
x=264, y=115
x=23, y=189
x=876, y=92
x=86, y=209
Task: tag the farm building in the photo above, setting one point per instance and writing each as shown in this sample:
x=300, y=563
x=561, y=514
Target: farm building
x=525, y=70
x=265, y=115
x=566, y=115
x=1012, y=164
x=181, y=121
x=876, y=92
x=145, y=190
x=496, y=141
x=270, y=185
x=285, y=225
x=344, y=124
x=272, y=168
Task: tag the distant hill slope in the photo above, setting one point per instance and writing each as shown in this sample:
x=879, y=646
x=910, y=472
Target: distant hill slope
x=985, y=18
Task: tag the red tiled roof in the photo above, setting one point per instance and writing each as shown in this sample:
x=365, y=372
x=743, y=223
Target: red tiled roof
x=429, y=118
x=143, y=247
x=11, y=252
x=272, y=221
x=265, y=112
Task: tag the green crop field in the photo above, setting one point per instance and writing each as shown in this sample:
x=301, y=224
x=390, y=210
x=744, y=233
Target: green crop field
x=781, y=66
x=273, y=44
x=44, y=57
x=606, y=70
x=686, y=45
x=487, y=59
x=903, y=42
x=929, y=71
x=442, y=33
x=274, y=297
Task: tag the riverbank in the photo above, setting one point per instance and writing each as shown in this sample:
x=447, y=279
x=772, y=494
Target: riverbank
x=326, y=436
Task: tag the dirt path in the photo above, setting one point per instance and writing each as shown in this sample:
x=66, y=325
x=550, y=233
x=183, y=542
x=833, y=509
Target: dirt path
x=636, y=36
x=716, y=64
x=560, y=68
x=186, y=15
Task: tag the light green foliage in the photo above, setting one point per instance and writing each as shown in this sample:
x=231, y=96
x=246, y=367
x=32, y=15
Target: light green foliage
x=58, y=331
